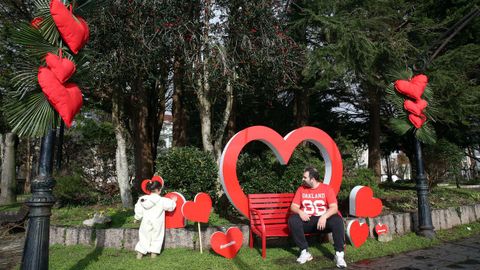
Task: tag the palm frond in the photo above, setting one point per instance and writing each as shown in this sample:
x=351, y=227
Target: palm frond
x=32, y=116
x=32, y=41
x=400, y=126
x=426, y=134
x=24, y=81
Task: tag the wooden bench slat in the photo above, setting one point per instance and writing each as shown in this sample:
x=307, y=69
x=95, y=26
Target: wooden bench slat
x=270, y=205
x=270, y=195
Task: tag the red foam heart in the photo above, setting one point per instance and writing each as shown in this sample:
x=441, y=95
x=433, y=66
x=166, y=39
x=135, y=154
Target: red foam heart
x=63, y=68
x=175, y=218
x=73, y=30
x=417, y=120
x=413, y=88
x=155, y=178
x=283, y=149
x=199, y=209
x=415, y=107
x=227, y=244
x=65, y=99
x=381, y=229
x=357, y=233
x=363, y=204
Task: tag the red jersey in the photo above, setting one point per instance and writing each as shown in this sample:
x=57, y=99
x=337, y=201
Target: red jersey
x=314, y=202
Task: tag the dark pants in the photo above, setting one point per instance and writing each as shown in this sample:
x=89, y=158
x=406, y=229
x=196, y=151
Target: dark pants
x=298, y=228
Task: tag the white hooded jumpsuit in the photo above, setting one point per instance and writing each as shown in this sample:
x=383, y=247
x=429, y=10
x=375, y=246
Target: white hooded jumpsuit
x=151, y=210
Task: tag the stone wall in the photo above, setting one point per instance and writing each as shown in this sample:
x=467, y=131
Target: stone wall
x=398, y=224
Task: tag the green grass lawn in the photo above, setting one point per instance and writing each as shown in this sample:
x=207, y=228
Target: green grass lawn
x=82, y=257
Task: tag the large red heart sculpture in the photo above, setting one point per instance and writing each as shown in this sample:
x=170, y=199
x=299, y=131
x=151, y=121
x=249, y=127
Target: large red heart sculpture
x=65, y=99
x=155, y=178
x=63, y=68
x=415, y=107
x=199, y=209
x=413, y=88
x=362, y=203
x=381, y=229
x=283, y=149
x=417, y=121
x=73, y=30
x=175, y=218
x=357, y=233
x=227, y=244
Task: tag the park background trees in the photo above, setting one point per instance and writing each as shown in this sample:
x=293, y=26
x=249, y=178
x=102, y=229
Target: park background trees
x=221, y=66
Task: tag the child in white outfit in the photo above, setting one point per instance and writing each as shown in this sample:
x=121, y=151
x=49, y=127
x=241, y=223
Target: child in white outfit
x=150, y=209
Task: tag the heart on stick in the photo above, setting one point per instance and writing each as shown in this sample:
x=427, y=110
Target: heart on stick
x=357, y=233
x=199, y=209
x=175, y=218
x=227, y=244
x=65, y=99
x=155, y=178
x=416, y=107
x=363, y=204
x=381, y=229
x=417, y=120
x=283, y=148
x=63, y=68
x=73, y=30
x=413, y=88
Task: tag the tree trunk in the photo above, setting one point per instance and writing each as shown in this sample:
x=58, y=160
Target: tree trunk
x=28, y=165
x=389, y=168
x=121, y=161
x=179, y=112
x=374, y=153
x=8, y=182
x=300, y=110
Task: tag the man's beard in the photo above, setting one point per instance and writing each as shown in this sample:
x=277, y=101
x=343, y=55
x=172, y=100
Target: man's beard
x=306, y=184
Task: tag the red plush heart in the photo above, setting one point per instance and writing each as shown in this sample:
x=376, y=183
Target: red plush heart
x=227, y=244
x=175, y=218
x=155, y=178
x=74, y=30
x=381, y=229
x=357, y=233
x=415, y=107
x=65, y=99
x=63, y=68
x=199, y=209
x=417, y=121
x=362, y=203
x=413, y=88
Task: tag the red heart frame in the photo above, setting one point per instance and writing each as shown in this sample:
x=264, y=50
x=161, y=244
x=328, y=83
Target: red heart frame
x=155, y=178
x=175, y=218
x=283, y=149
x=357, y=233
x=227, y=244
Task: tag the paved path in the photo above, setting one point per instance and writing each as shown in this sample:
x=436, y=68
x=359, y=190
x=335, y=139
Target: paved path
x=11, y=248
x=463, y=254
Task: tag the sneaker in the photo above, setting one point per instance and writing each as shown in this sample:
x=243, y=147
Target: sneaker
x=304, y=257
x=139, y=255
x=340, y=259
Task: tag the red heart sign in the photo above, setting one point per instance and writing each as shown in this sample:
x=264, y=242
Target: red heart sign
x=227, y=244
x=155, y=178
x=175, y=219
x=415, y=107
x=283, y=149
x=66, y=99
x=362, y=203
x=413, y=88
x=357, y=233
x=74, y=30
x=63, y=68
x=199, y=209
x=381, y=229
x=417, y=121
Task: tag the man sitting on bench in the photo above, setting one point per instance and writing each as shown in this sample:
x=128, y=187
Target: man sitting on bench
x=315, y=208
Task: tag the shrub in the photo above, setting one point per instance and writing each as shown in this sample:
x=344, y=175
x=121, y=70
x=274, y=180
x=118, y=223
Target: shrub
x=359, y=177
x=188, y=170
x=74, y=190
x=442, y=161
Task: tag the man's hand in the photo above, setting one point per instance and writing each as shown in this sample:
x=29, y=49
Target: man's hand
x=304, y=216
x=322, y=221
x=174, y=198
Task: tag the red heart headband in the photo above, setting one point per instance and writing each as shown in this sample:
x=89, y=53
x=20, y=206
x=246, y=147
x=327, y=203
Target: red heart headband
x=155, y=178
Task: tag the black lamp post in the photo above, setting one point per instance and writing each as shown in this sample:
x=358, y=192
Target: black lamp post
x=425, y=227
x=35, y=252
